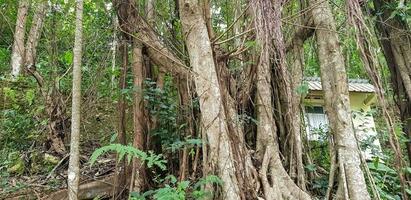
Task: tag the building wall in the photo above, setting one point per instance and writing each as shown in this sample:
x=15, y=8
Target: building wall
x=362, y=119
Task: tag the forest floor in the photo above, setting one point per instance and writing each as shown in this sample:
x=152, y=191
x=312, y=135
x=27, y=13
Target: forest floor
x=45, y=185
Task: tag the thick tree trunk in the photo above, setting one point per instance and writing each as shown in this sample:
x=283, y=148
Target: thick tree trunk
x=34, y=35
x=396, y=45
x=213, y=121
x=266, y=128
x=267, y=25
x=334, y=82
x=17, y=54
x=74, y=170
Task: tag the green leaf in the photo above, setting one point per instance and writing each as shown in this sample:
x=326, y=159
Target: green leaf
x=302, y=89
x=68, y=57
x=113, y=137
x=183, y=185
x=381, y=168
x=407, y=170
x=311, y=167
x=30, y=95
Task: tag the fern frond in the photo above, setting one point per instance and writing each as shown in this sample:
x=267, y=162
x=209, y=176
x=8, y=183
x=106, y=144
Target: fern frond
x=131, y=152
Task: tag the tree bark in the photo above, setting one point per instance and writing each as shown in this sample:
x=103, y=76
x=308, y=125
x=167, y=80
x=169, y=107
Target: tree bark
x=121, y=172
x=129, y=21
x=213, y=121
x=74, y=170
x=150, y=11
x=138, y=115
x=17, y=54
x=335, y=86
x=114, y=49
x=296, y=72
x=268, y=35
x=371, y=66
x=34, y=35
x=396, y=45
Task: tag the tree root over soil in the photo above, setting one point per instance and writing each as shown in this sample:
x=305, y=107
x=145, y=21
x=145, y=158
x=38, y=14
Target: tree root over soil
x=90, y=190
x=97, y=188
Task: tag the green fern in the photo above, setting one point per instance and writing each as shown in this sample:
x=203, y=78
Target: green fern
x=130, y=152
x=179, y=190
x=210, y=179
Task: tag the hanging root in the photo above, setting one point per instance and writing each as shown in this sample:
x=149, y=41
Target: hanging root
x=333, y=169
x=369, y=58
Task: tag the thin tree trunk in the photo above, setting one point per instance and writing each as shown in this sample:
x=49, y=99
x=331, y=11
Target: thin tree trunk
x=296, y=79
x=150, y=11
x=34, y=35
x=186, y=117
x=17, y=54
x=213, y=123
x=207, y=18
x=74, y=170
x=138, y=180
x=335, y=86
x=114, y=50
x=127, y=12
x=296, y=72
x=237, y=25
x=54, y=103
x=120, y=178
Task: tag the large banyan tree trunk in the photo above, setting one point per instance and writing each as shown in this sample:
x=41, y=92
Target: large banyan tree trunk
x=223, y=136
x=334, y=82
x=268, y=32
x=213, y=119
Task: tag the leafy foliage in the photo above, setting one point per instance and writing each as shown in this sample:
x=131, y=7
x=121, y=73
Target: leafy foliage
x=386, y=180
x=179, y=190
x=130, y=152
x=162, y=104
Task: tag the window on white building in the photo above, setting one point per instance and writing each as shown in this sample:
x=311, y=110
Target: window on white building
x=317, y=122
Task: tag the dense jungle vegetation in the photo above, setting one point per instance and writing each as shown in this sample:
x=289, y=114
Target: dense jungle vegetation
x=203, y=99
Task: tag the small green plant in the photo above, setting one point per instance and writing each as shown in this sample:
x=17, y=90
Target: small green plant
x=302, y=89
x=130, y=152
x=179, y=190
x=189, y=142
x=386, y=180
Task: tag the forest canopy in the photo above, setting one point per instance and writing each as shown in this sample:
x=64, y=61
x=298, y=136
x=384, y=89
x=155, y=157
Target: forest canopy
x=201, y=99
